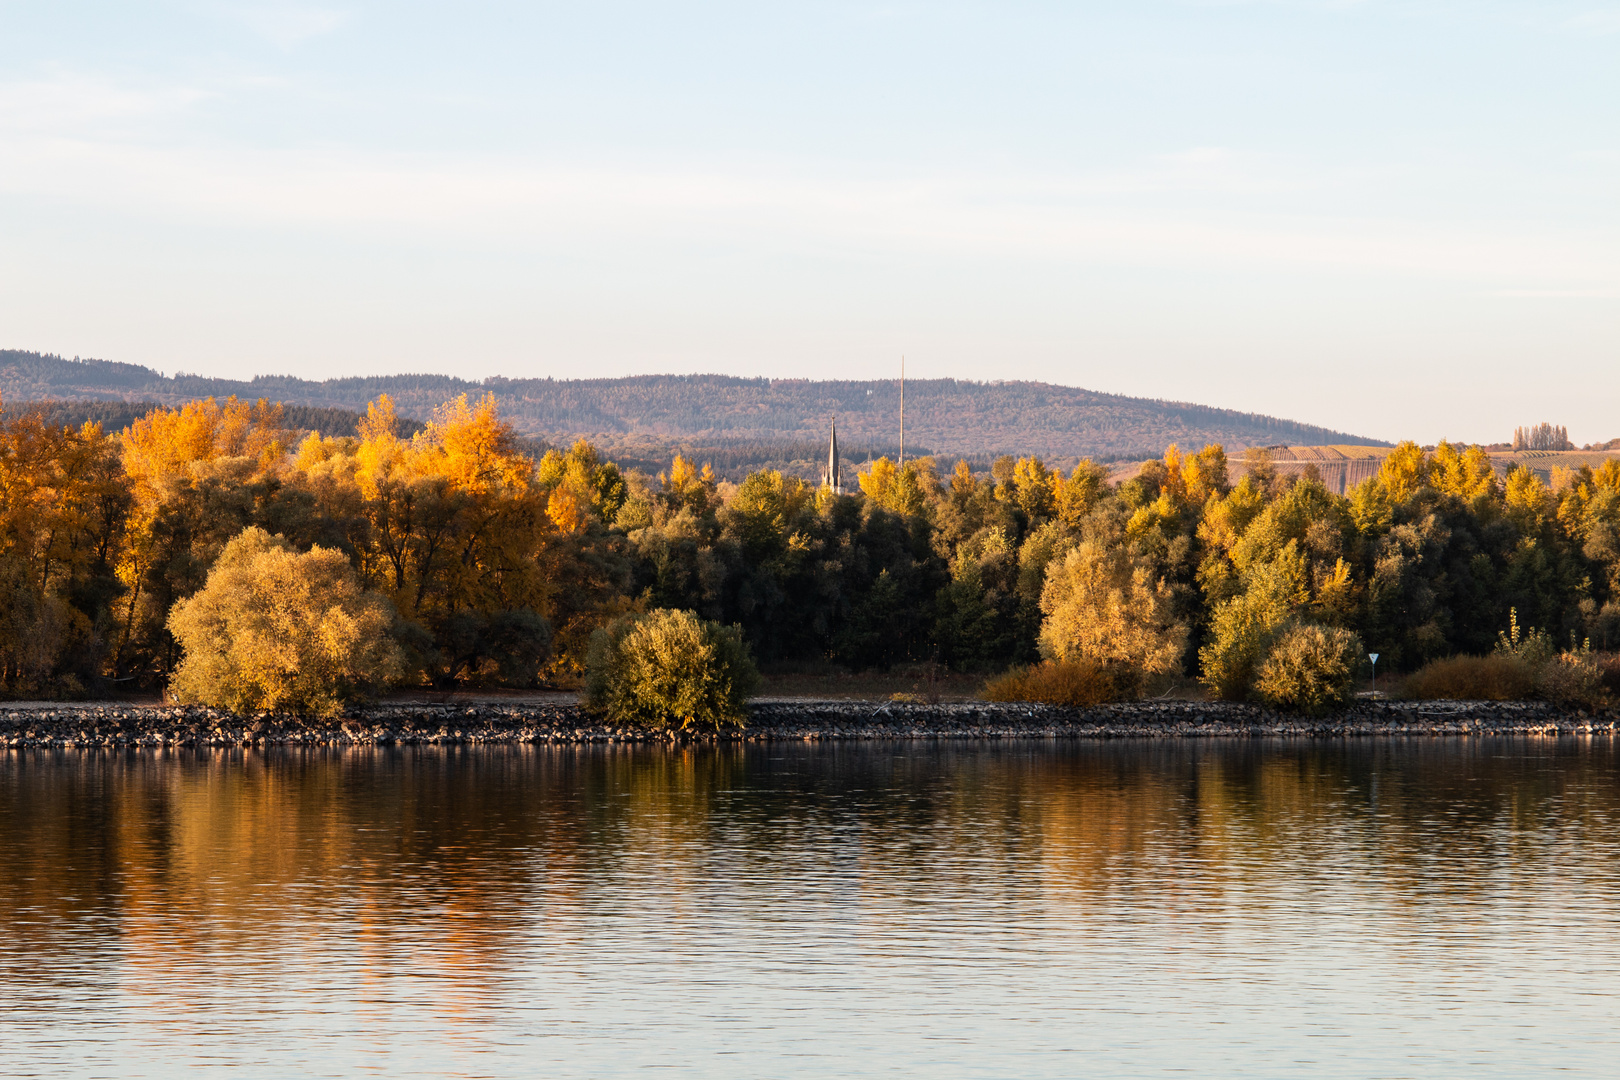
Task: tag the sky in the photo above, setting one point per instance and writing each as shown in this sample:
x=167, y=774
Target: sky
x=1394, y=219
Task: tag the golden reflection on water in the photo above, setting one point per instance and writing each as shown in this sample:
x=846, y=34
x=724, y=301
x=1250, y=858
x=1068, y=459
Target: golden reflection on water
x=1403, y=907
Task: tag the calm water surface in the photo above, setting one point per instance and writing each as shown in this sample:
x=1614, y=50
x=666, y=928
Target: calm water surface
x=1367, y=909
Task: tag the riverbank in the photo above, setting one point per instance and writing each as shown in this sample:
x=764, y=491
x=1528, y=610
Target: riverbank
x=128, y=725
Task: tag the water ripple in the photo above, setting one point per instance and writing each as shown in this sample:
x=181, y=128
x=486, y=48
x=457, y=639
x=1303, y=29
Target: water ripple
x=1398, y=908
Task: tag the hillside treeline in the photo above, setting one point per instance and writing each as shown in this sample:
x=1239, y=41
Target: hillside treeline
x=952, y=416
x=734, y=459
x=115, y=416
x=497, y=563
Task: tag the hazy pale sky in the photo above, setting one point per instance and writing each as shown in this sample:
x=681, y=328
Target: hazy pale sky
x=1398, y=219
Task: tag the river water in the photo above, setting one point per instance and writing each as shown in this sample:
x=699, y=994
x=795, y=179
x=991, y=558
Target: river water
x=1372, y=908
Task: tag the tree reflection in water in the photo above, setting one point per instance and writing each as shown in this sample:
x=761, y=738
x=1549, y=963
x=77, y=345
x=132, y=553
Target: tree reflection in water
x=803, y=910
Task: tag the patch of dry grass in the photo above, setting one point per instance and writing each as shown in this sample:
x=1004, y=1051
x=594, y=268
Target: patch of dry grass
x=1497, y=677
x=1075, y=683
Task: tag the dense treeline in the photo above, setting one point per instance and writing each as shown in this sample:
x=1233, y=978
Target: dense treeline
x=102, y=537
x=115, y=416
x=955, y=417
x=734, y=459
x=497, y=563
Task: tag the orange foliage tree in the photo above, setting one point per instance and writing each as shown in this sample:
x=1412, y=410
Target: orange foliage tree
x=62, y=509
x=196, y=477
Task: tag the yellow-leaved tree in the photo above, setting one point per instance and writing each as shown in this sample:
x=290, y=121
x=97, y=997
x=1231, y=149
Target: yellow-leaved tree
x=275, y=630
x=1101, y=606
x=670, y=669
x=1205, y=473
x=1467, y=473
x=196, y=476
x=1035, y=489
x=1078, y=495
x=899, y=489
x=1404, y=470
x=453, y=527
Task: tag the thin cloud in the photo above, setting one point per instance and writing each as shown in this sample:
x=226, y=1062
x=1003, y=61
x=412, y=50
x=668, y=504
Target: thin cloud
x=1297, y=5
x=1595, y=22
x=287, y=25
x=1561, y=294
x=68, y=102
x=1016, y=216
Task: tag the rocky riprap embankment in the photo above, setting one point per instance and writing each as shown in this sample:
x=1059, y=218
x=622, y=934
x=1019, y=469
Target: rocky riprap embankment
x=116, y=725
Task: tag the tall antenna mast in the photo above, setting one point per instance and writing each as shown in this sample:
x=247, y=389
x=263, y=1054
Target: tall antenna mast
x=902, y=410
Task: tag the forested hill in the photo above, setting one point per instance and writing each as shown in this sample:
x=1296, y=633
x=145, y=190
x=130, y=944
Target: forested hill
x=946, y=415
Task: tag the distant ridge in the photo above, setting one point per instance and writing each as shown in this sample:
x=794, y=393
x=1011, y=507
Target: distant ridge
x=949, y=416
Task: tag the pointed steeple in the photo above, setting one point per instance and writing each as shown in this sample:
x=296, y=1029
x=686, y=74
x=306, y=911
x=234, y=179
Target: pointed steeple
x=834, y=477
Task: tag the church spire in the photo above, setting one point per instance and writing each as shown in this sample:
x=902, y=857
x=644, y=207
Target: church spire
x=834, y=475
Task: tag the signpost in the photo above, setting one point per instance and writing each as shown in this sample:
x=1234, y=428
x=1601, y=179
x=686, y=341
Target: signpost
x=1374, y=658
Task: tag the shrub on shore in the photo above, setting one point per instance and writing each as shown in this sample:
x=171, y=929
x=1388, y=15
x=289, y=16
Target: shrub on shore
x=1310, y=669
x=1525, y=665
x=1574, y=679
x=274, y=630
x=1497, y=677
x=1076, y=683
x=1610, y=667
x=670, y=669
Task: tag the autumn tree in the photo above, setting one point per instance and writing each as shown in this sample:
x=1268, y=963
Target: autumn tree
x=276, y=630
x=1404, y=470
x=62, y=509
x=899, y=489
x=197, y=475
x=1247, y=623
x=580, y=485
x=1310, y=669
x=455, y=528
x=1204, y=474
x=1100, y=606
x=1466, y=473
x=1079, y=493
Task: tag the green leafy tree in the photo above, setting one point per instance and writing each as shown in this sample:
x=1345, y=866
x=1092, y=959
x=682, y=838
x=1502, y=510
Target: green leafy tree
x=1244, y=626
x=670, y=669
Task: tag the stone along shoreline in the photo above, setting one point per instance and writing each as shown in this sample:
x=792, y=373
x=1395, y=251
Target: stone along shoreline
x=124, y=725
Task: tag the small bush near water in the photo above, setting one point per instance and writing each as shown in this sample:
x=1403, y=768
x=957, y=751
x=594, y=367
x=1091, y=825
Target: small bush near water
x=278, y=631
x=1310, y=669
x=1075, y=683
x=670, y=669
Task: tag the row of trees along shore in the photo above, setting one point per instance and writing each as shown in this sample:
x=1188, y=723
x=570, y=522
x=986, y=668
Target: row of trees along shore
x=497, y=566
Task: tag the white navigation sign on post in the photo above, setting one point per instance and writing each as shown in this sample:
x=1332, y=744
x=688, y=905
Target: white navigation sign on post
x=1374, y=658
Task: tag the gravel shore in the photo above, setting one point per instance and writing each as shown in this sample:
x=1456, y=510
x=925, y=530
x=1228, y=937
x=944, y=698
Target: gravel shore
x=124, y=725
